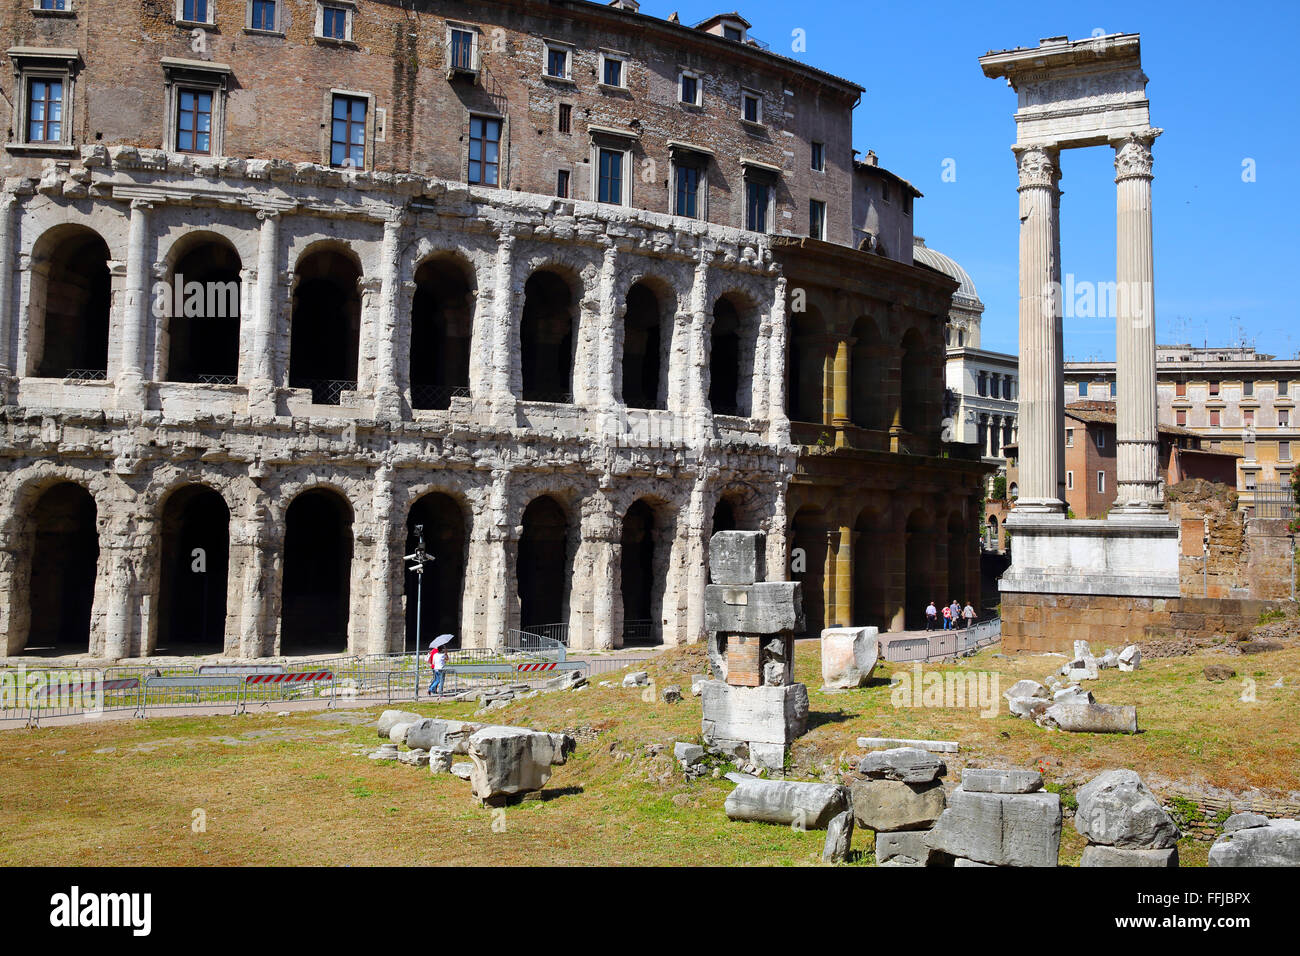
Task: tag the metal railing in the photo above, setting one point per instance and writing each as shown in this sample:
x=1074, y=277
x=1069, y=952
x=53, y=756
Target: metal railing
x=557, y=633
x=213, y=379
x=325, y=391
x=640, y=632
x=549, y=398
x=936, y=645
x=1274, y=500
x=86, y=375
x=436, y=396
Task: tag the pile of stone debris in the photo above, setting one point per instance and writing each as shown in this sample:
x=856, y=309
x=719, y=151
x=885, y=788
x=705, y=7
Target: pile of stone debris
x=1059, y=706
x=506, y=763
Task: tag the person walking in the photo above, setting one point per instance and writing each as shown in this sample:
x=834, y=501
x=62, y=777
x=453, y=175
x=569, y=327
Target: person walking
x=931, y=613
x=968, y=614
x=947, y=616
x=956, y=613
x=438, y=663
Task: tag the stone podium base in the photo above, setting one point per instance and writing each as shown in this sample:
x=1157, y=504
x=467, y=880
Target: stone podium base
x=765, y=719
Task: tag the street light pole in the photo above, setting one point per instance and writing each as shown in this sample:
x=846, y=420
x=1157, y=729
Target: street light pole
x=419, y=558
x=1205, y=559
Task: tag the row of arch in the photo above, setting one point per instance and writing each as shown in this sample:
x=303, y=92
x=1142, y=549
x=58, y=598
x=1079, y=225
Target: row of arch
x=195, y=587
x=72, y=299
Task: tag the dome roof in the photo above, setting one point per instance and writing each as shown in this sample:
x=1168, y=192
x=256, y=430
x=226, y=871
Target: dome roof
x=948, y=266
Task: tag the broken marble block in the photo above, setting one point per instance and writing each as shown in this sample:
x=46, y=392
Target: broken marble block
x=839, y=838
x=1130, y=658
x=1117, y=809
x=440, y=760
x=1081, y=668
x=904, y=848
x=514, y=760
x=1080, y=714
x=889, y=805
x=809, y=806
x=1001, y=781
x=908, y=764
x=1027, y=698
x=849, y=655
x=432, y=733
x=1274, y=843
x=1000, y=829
x=390, y=717
x=736, y=557
x=1098, y=855
x=769, y=607
x=765, y=719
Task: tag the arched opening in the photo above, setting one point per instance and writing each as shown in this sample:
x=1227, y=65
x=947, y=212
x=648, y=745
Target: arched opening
x=643, y=346
x=317, y=573
x=442, y=320
x=435, y=602
x=728, y=381
x=991, y=541
x=546, y=339
x=915, y=397
x=543, y=568
x=806, y=391
x=646, y=541
x=869, y=377
x=958, y=545
x=193, y=564
x=203, y=322
x=65, y=554
x=870, y=592
x=325, y=331
x=919, y=588
x=72, y=296
x=808, y=565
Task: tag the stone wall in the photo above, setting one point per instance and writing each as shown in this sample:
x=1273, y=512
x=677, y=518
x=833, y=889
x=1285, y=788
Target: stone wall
x=1248, y=557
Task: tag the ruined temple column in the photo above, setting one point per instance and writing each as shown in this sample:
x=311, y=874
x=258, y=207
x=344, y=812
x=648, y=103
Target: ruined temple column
x=1040, y=358
x=697, y=389
x=388, y=399
x=1137, y=454
x=593, y=621
x=261, y=387
x=380, y=637
x=609, y=316
x=130, y=391
x=489, y=590
x=844, y=577
x=503, y=356
x=778, y=345
x=8, y=207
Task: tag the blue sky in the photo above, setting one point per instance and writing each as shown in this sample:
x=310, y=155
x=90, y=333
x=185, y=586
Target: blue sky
x=1223, y=85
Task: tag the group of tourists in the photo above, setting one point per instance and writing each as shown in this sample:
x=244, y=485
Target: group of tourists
x=953, y=615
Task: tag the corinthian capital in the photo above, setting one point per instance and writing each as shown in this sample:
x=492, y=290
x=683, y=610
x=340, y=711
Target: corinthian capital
x=1038, y=166
x=1133, y=155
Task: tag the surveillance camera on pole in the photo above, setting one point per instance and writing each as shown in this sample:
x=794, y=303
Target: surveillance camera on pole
x=418, y=559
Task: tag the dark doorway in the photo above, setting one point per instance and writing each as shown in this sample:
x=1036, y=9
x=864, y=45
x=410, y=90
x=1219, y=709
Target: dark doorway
x=203, y=326
x=77, y=297
x=326, y=327
x=641, y=621
x=442, y=319
x=915, y=385
x=546, y=339
x=809, y=537
x=918, y=571
x=958, y=547
x=870, y=605
x=444, y=577
x=724, y=360
x=805, y=391
x=542, y=569
x=65, y=554
x=869, y=377
x=317, y=574
x=194, y=562
x=642, y=342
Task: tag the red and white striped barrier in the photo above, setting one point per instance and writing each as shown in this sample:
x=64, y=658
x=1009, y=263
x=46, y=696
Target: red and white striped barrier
x=543, y=666
x=121, y=683
x=300, y=678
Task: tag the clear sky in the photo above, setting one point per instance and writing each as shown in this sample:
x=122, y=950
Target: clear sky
x=1223, y=86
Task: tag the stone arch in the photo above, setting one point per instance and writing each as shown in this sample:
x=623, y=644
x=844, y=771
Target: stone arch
x=738, y=506
x=548, y=334
x=733, y=335
x=649, y=308
x=647, y=533
x=544, y=565
x=915, y=398
x=442, y=325
x=62, y=528
x=993, y=535
x=870, y=375
x=193, y=571
x=446, y=539
x=808, y=530
x=201, y=301
x=325, y=327
x=71, y=302
x=316, y=584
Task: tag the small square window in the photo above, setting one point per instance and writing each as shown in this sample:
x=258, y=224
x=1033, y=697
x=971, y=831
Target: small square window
x=818, y=161
x=565, y=118
x=732, y=33
x=557, y=63
x=751, y=107
x=262, y=15
x=562, y=184
x=335, y=22
x=612, y=71
x=195, y=11
x=689, y=89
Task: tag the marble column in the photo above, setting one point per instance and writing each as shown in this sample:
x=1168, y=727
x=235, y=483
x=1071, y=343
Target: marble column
x=8, y=209
x=504, y=356
x=388, y=399
x=777, y=346
x=130, y=391
x=844, y=577
x=1041, y=404
x=261, y=386
x=1137, y=454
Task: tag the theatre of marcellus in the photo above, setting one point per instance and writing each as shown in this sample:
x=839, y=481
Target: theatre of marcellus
x=567, y=286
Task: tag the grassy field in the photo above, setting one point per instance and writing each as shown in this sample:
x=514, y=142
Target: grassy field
x=263, y=789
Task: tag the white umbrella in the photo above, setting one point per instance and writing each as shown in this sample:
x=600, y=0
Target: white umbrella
x=440, y=640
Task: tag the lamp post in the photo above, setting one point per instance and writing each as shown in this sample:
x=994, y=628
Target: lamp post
x=419, y=558
x=1205, y=559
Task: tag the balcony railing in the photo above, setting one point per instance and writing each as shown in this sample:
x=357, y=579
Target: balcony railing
x=325, y=391
x=436, y=396
x=86, y=375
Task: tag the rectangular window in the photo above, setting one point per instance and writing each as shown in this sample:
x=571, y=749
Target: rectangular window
x=562, y=184
x=1214, y=418
x=816, y=219
x=193, y=121
x=613, y=72
x=819, y=157
x=333, y=22
x=1114, y=388
x=195, y=11
x=484, y=150
x=54, y=5
x=1283, y=418
x=751, y=107
x=557, y=63
x=1284, y=451
x=1069, y=438
x=756, y=202
x=732, y=33
x=1282, y=384
x=1069, y=480
x=983, y=384
x=610, y=188
x=261, y=15
x=1248, y=389
x=1180, y=389
x=462, y=50
x=1248, y=416
x=1101, y=482
x=1214, y=388
x=689, y=91
x=688, y=192
x=45, y=111
x=1250, y=481
x=1101, y=439
x=1083, y=389
x=565, y=121
x=348, y=132
x=1006, y=388
x=1180, y=417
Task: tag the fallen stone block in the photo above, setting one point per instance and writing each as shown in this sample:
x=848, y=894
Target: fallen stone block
x=385, y=752
x=1001, y=781
x=1082, y=650
x=1097, y=855
x=414, y=758
x=672, y=694
x=1218, y=672
x=839, y=838
x=1072, y=691
x=440, y=760
x=1108, y=661
x=889, y=805
x=765, y=719
x=514, y=760
x=737, y=557
x=1080, y=715
x=397, y=732
x=811, y=806
x=462, y=770
x=390, y=717
x=908, y=764
x=636, y=679
x=688, y=755
x=1081, y=669
x=1029, y=707
x=886, y=743
x=849, y=655
x=1244, y=821
x=1000, y=829
x=1026, y=688
x=1116, y=809
x=433, y=732
x=697, y=684
x=1130, y=658
x=769, y=607
x=903, y=848
x=1275, y=844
